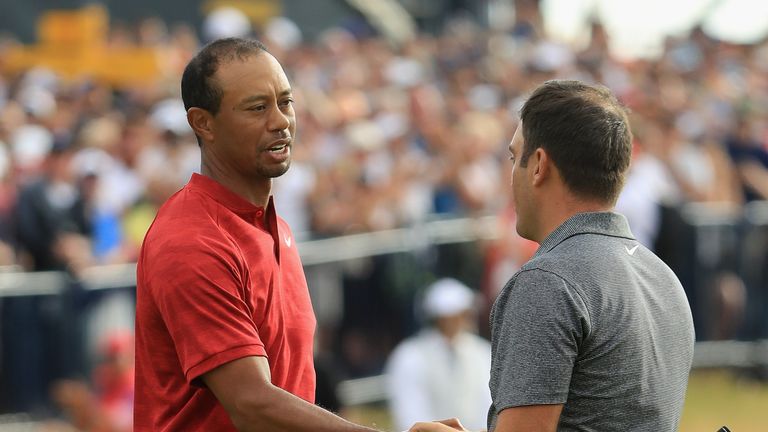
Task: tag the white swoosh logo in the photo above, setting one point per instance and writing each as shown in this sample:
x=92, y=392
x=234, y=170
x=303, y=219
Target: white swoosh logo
x=631, y=251
x=288, y=241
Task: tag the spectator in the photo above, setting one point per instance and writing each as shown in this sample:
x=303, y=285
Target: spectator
x=52, y=218
x=7, y=199
x=444, y=370
x=106, y=403
x=750, y=156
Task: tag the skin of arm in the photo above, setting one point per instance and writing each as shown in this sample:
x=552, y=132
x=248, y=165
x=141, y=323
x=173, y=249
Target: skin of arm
x=728, y=187
x=533, y=418
x=449, y=425
x=755, y=176
x=244, y=388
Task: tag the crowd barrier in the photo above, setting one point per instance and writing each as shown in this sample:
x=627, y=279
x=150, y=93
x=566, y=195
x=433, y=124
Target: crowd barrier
x=59, y=319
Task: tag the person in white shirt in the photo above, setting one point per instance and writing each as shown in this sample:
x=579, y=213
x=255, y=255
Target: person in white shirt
x=443, y=371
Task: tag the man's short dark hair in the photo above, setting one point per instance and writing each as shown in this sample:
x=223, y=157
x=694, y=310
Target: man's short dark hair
x=198, y=88
x=585, y=130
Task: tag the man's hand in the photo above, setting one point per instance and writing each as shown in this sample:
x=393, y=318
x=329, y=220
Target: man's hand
x=448, y=425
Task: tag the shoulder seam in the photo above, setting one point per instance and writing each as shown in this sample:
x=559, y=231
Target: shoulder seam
x=575, y=287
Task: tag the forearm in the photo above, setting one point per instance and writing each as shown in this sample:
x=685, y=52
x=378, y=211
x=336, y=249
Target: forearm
x=276, y=410
x=756, y=178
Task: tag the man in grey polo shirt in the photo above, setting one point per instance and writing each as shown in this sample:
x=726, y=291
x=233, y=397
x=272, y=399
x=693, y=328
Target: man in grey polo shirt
x=594, y=333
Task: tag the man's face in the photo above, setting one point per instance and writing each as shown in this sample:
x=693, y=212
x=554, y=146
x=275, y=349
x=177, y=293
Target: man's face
x=451, y=325
x=521, y=192
x=254, y=128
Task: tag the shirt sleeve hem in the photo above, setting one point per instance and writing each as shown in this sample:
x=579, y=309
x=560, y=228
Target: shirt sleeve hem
x=218, y=359
x=535, y=400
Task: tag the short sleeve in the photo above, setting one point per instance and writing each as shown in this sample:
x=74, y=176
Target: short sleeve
x=200, y=288
x=538, y=328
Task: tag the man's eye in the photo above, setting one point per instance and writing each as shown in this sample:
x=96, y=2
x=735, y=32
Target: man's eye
x=257, y=108
x=287, y=102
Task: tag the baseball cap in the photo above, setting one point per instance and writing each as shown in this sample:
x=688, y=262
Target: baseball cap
x=447, y=297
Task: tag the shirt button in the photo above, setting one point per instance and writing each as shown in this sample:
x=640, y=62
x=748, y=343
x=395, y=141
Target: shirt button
x=260, y=213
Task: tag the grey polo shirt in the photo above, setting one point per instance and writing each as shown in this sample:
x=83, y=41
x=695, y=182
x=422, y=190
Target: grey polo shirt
x=597, y=322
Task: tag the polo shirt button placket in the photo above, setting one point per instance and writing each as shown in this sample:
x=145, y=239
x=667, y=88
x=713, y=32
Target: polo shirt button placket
x=259, y=216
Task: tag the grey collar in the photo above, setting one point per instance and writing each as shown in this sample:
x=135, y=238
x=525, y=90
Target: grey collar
x=603, y=223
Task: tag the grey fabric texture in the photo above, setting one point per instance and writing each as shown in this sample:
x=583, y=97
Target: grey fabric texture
x=597, y=322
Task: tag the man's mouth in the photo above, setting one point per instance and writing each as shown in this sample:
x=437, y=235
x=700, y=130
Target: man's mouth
x=279, y=146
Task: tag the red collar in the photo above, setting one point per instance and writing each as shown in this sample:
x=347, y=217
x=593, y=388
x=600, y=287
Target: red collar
x=227, y=198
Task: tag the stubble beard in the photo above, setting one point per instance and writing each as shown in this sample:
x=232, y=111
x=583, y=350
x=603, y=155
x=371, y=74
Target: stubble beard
x=274, y=171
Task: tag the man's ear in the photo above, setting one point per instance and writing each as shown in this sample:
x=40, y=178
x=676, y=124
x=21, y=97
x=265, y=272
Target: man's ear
x=541, y=166
x=201, y=121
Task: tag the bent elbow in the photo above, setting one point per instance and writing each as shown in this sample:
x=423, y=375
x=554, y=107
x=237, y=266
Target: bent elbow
x=250, y=412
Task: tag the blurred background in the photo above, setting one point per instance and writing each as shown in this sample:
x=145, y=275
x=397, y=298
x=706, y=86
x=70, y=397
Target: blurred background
x=400, y=176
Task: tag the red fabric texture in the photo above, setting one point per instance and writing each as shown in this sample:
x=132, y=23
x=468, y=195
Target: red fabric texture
x=216, y=281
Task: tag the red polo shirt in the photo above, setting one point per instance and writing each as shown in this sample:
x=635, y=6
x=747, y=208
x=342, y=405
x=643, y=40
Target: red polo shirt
x=216, y=281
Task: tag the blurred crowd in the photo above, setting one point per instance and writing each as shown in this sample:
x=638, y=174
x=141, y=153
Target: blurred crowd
x=389, y=135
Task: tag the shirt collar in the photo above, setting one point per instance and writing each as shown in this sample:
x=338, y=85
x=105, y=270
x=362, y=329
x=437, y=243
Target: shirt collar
x=226, y=197
x=603, y=223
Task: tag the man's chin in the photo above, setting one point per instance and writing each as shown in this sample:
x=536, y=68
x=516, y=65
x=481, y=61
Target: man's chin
x=279, y=170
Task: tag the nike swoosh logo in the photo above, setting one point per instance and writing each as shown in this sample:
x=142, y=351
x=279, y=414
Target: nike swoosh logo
x=288, y=241
x=631, y=251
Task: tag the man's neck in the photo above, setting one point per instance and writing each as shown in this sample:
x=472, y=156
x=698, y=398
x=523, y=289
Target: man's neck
x=257, y=193
x=558, y=211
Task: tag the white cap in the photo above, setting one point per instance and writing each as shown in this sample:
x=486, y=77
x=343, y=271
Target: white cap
x=37, y=100
x=404, y=72
x=283, y=32
x=30, y=144
x=447, y=297
x=365, y=135
x=170, y=115
x=226, y=22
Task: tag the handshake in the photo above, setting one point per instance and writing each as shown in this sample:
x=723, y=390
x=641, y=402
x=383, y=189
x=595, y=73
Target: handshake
x=448, y=425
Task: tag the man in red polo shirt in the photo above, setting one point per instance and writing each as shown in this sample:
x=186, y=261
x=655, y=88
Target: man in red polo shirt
x=224, y=323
